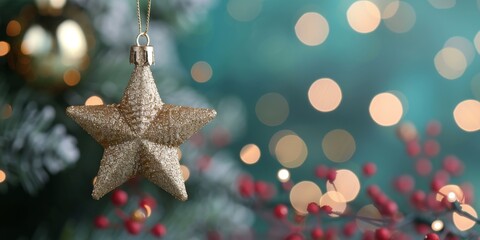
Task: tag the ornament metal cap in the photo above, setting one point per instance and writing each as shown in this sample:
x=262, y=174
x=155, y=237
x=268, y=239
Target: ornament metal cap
x=142, y=55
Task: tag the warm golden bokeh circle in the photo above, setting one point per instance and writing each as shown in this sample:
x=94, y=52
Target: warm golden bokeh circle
x=250, y=154
x=467, y=115
x=450, y=63
x=3, y=176
x=446, y=190
x=401, y=17
x=346, y=183
x=272, y=109
x=368, y=218
x=363, y=16
x=325, y=95
x=201, y=72
x=185, y=172
x=338, y=145
x=304, y=193
x=386, y=109
x=283, y=175
x=463, y=223
x=336, y=201
x=291, y=151
x=312, y=29
x=93, y=101
x=276, y=137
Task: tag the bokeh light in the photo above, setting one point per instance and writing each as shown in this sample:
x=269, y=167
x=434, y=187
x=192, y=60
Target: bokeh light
x=93, y=101
x=71, y=77
x=336, y=201
x=476, y=41
x=407, y=132
x=388, y=8
x=338, y=145
x=276, y=137
x=4, y=48
x=325, y=95
x=13, y=28
x=403, y=19
x=201, y=72
x=467, y=115
x=244, y=10
x=443, y=4
x=447, y=191
x=461, y=222
x=72, y=41
x=250, y=154
x=312, y=29
x=291, y=151
x=185, y=172
x=367, y=216
x=386, y=109
x=346, y=183
x=437, y=225
x=363, y=16
x=283, y=175
x=304, y=193
x=272, y=109
x=450, y=63
x=464, y=45
x=3, y=176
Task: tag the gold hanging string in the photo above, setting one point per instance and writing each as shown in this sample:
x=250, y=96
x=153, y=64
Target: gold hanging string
x=147, y=21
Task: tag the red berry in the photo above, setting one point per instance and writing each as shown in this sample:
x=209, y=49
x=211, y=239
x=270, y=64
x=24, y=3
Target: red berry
x=423, y=167
x=294, y=236
x=436, y=184
x=418, y=199
x=422, y=228
x=313, y=208
x=321, y=171
x=467, y=192
x=368, y=235
x=214, y=235
x=264, y=190
x=413, y=148
x=331, y=234
x=280, y=211
x=331, y=175
x=390, y=208
x=373, y=190
x=299, y=218
x=327, y=209
x=316, y=233
x=369, y=169
x=382, y=234
x=432, y=236
x=404, y=184
x=101, y=222
x=133, y=227
x=431, y=148
x=148, y=201
x=119, y=197
x=380, y=199
x=349, y=229
x=434, y=128
x=246, y=186
x=159, y=230
x=452, y=165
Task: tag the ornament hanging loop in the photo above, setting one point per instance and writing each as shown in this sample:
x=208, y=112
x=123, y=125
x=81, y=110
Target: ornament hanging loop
x=144, y=34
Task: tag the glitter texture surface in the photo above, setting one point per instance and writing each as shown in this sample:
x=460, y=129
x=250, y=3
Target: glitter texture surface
x=141, y=135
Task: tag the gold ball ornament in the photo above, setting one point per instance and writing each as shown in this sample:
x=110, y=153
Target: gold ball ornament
x=141, y=134
x=51, y=44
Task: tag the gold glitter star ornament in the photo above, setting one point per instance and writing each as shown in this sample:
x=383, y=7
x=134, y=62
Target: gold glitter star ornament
x=141, y=135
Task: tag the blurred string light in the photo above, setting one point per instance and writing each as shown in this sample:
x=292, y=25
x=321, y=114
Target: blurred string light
x=386, y=109
x=304, y=193
x=291, y=151
x=464, y=45
x=13, y=28
x=464, y=223
x=467, y=115
x=201, y=72
x=277, y=136
x=185, y=172
x=250, y=154
x=363, y=16
x=312, y=29
x=437, y=225
x=272, y=109
x=325, y=95
x=338, y=145
x=399, y=16
x=367, y=216
x=443, y=4
x=4, y=48
x=93, y=101
x=346, y=183
x=450, y=63
x=3, y=176
x=336, y=201
x=283, y=175
x=244, y=10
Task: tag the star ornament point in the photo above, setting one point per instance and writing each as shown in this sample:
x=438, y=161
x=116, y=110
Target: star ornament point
x=141, y=136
